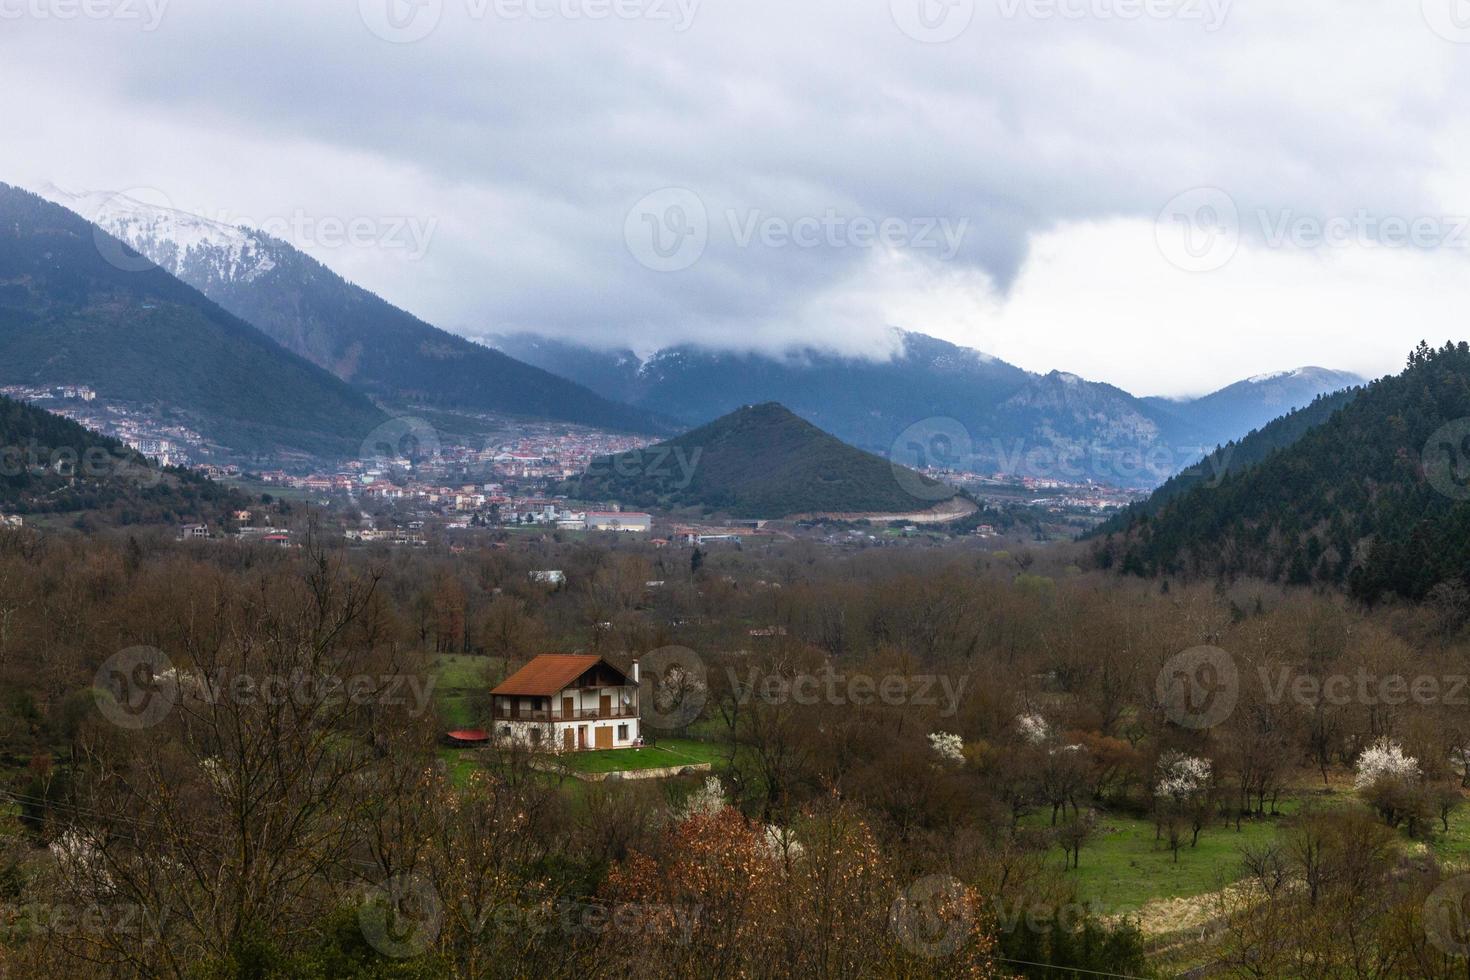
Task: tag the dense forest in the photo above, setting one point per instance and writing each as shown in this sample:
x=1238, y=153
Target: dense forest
x=1234, y=457
x=1371, y=499
x=51, y=465
x=761, y=461
x=992, y=732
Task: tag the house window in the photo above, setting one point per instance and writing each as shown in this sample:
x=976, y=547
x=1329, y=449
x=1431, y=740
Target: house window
x=505, y=730
x=535, y=736
x=622, y=733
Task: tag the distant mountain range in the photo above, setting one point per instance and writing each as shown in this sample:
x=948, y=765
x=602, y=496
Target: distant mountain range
x=1234, y=457
x=1369, y=491
x=760, y=461
x=1009, y=419
x=77, y=308
x=367, y=342
x=930, y=403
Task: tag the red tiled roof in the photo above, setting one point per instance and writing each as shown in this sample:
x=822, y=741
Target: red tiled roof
x=548, y=673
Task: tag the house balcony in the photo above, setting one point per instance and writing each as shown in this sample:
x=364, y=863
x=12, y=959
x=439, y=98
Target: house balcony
x=579, y=714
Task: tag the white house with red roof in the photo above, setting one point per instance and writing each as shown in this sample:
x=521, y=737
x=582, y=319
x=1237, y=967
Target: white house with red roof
x=568, y=703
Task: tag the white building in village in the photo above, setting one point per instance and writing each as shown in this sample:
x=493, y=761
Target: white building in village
x=619, y=520
x=568, y=703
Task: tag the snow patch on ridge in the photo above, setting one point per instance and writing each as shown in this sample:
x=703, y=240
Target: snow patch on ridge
x=173, y=239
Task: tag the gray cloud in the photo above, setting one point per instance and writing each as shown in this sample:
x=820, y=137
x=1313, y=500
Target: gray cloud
x=530, y=140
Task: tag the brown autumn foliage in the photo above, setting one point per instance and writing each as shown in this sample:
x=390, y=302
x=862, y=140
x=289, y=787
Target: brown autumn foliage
x=255, y=836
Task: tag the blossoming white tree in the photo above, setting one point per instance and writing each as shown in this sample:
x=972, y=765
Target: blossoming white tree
x=1181, y=776
x=706, y=801
x=948, y=746
x=1384, y=759
x=1389, y=779
x=1182, y=796
x=1033, y=728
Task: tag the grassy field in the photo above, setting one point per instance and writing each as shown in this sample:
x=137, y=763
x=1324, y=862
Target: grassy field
x=463, y=680
x=256, y=488
x=1124, y=866
x=461, y=763
x=668, y=752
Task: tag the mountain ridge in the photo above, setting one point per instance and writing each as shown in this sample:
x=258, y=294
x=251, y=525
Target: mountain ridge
x=77, y=307
x=1006, y=412
x=760, y=461
x=378, y=348
x=1374, y=499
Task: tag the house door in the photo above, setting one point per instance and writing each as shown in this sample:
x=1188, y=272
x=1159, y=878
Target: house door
x=604, y=737
x=604, y=709
x=567, y=708
x=568, y=740
x=581, y=736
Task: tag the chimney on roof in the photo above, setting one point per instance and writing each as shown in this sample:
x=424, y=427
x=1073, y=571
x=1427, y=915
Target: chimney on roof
x=635, y=670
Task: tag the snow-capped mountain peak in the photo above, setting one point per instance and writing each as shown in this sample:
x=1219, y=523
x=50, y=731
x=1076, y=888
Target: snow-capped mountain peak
x=173, y=239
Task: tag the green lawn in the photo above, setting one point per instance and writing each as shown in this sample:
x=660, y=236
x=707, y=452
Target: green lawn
x=696, y=750
x=461, y=763
x=462, y=682
x=667, y=753
x=464, y=671
x=1123, y=867
x=1454, y=846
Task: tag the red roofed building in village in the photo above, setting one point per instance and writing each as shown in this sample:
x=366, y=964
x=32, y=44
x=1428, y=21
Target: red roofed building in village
x=568, y=703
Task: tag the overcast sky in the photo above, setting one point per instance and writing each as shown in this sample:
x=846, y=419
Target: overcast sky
x=1164, y=194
